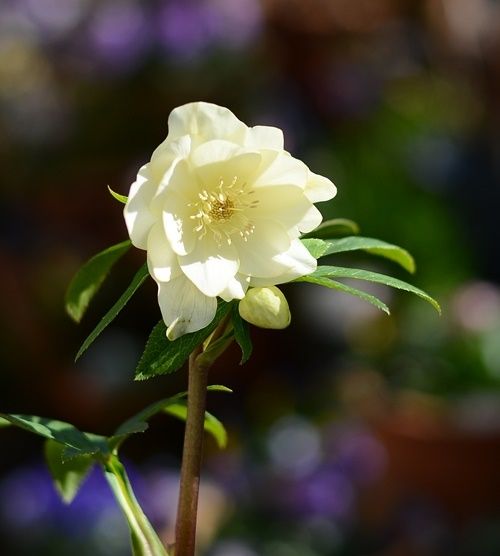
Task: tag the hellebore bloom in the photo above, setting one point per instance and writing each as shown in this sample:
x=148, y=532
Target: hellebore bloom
x=220, y=208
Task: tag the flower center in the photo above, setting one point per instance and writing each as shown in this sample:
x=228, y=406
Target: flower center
x=224, y=211
x=221, y=210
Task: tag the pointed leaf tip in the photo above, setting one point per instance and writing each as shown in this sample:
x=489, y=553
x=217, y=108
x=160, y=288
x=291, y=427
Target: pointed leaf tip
x=121, y=198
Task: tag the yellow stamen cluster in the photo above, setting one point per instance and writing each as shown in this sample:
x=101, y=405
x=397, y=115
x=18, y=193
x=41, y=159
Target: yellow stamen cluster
x=224, y=211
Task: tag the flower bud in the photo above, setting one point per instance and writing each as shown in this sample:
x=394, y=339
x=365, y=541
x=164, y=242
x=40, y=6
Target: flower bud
x=265, y=307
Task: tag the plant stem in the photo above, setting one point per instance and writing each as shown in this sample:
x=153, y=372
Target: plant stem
x=185, y=533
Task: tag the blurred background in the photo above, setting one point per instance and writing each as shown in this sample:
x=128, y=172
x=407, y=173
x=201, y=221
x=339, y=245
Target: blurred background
x=350, y=433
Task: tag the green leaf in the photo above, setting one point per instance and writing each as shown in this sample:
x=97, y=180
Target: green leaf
x=144, y=540
x=121, y=198
x=336, y=227
x=162, y=356
x=242, y=335
x=89, y=279
x=138, y=279
x=320, y=248
x=373, y=246
x=333, y=284
x=4, y=423
x=139, y=422
x=67, y=475
x=212, y=425
x=62, y=432
x=316, y=247
x=359, y=274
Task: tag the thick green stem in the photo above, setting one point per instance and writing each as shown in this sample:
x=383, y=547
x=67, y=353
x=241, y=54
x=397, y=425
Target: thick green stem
x=185, y=533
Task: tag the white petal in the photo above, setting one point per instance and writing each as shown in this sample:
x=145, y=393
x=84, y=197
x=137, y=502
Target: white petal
x=210, y=266
x=178, y=226
x=205, y=121
x=236, y=288
x=138, y=216
x=216, y=150
x=297, y=261
x=281, y=169
x=183, y=307
x=286, y=204
x=311, y=220
x=241, y=166
x=319, y=188
x=166, y=153
x=265, y=137
x=162, y=261
x=257, y=254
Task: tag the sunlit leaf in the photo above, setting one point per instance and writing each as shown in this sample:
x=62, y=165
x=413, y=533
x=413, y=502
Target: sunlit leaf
x=323, y=247
x=139, y=422
x=89, y=279
x=212, y=425
x=121, y=198
x=373, y=246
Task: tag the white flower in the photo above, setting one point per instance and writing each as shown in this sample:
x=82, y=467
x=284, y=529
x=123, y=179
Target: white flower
x=219, y=208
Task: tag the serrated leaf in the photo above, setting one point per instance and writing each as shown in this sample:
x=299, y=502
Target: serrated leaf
x=62, y=432
x=336, y=227
x=333, y=284
x=89, y=279
x=162, y=356
x=121, y=198
x=67, y=475
x=137, y=280
x=242, y=335
x=212, y=425
x=373, y=246
x=359, y=274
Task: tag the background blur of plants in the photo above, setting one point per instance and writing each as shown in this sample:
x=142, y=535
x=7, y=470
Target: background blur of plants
x=350, y=433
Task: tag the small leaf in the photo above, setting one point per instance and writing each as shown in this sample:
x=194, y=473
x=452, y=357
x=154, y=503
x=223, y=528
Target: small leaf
x=162, y=356
x=242, y=335
x=138, y=279
x=333, y=284
x=4, y=423
x=373, y=246
x=62, y=432
x=219, y=388
x=67, y=475
x=121, y=198
x=336, y=227
x=89, y=279
x=359, y=274
x=212, y=425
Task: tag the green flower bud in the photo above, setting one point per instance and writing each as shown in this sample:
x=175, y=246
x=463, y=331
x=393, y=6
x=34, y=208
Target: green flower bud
x=265, y=307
